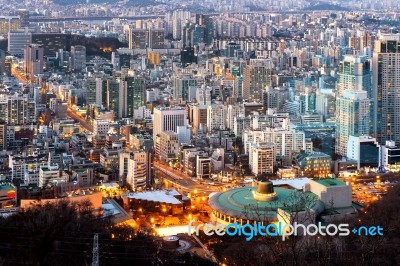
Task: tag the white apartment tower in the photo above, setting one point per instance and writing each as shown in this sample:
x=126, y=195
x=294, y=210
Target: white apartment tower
x=352, y=118
x=386, y=88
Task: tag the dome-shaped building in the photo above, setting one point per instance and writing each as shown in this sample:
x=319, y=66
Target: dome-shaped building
x=265, y=203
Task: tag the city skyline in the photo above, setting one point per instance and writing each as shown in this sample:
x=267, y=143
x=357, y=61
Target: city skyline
x=126, y=125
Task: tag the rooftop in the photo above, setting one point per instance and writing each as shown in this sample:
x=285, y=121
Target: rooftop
x=6, y=186
x=162, y=196
x=240, y=202
x=330, y=182
x=296, y=183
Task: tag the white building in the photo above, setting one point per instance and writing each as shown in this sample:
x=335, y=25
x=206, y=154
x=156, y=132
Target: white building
x=233, y=112
x=352, y=118
x=141, y=113
x=168, y=119
x=133, y=168
x=390, y=154
x=203, y=95
x=216, y=117
x=101, y=127
x=262, y=158
x=386, y=88
x=363, y=149
x=49, y=174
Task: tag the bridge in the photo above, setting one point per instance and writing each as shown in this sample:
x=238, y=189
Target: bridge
x=49, y=19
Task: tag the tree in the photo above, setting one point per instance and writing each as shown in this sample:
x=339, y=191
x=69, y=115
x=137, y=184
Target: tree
x=62, y=234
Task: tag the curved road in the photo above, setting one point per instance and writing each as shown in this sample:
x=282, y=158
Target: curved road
x=81, y=120
x=184, y=182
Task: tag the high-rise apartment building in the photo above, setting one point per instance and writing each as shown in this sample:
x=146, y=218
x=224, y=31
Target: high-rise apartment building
x=138, y=38
x=386, y=88
x=354, y=74
x=9, y=23
x=352, y=118
x=134, y=168
x=156, y=38
x=17, y=109
x=262, y=158
x=216, y=117
x=257, y=76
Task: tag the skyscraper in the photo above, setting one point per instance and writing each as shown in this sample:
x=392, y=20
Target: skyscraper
x=101, y=91
x=182, y=84
x=2, y=62
x=114, y=97
x=135, y=94
x=33, y=59
x=208, y=24
x=354, y=73
x=78, y=57
x=156, y=38
x=138, y=38
x=386, y=88
x=352, y=118
x=257, y=76
x=90, y=91
x=18, y=41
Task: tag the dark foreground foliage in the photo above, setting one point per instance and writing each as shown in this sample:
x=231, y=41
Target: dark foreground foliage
x=62, y=234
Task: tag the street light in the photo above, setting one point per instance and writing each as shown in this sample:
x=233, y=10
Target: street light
x=164, y=210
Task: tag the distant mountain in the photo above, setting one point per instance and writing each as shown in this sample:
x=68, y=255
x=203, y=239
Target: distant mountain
x=326, y=6
x=75, y=2
x=142, y=3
